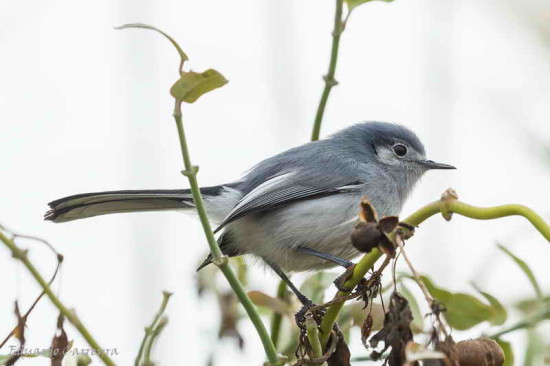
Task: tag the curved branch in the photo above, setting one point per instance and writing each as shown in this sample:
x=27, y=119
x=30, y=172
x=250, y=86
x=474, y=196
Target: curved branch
x=447, y=206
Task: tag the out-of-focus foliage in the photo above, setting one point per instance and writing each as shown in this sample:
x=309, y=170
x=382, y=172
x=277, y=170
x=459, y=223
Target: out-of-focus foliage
x=463, y=311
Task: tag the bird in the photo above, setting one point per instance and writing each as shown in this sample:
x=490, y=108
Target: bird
x=294, y=211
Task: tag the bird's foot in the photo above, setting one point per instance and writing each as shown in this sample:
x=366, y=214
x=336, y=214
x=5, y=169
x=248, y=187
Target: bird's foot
x=300, y=316
x=308, y=307
x=341, y=280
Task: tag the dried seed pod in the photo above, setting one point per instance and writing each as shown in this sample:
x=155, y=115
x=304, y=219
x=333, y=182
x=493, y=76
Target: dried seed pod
x=479, y=352
x=365, y=236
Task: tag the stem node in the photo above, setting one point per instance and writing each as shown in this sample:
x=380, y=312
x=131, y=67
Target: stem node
x=221, y=261
x=194, y=170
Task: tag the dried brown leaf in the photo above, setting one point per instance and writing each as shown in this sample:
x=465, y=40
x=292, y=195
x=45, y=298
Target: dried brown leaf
x=341, y=355
x=396, y=332
x=60, y=343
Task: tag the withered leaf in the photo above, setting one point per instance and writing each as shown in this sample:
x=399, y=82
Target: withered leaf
x=341, y=356
x=396, y=332
x=60, y=343
x=230, y=317
x=366, y=329
x=19, y=334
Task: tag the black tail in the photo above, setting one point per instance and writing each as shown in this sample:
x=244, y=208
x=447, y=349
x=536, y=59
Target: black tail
x=86, y=205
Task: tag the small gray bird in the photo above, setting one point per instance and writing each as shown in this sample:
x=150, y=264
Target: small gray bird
x=295, y=210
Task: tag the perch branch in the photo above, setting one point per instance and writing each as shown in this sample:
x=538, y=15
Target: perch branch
x=218, y=258
x=447, y=205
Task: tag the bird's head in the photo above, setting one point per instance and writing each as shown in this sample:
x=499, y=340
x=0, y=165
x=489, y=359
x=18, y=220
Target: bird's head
x=392, y=147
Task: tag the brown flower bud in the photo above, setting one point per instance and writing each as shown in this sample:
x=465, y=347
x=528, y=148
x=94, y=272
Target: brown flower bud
x=365, y=236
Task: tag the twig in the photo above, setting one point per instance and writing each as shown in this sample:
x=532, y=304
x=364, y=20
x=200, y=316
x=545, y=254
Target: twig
x=70, y=315
x=26, y=316
x=218, y=258
x=418, y=279
x=188, y=88
x=329, y=77
x=155, y=333
x=329, y=83
x=341, y=299
x=447, y=205
x=59, y=261
x=313, y=338
x=429, y=299
x=149, y=331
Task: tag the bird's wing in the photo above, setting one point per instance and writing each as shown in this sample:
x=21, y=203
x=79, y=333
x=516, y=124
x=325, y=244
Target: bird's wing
x=282, y=189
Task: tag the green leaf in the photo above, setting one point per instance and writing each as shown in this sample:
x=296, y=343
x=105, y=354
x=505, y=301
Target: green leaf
x=508, y=352
x=352, y=4
x=192, y=85
x=183, y=56
x=463, y=311
x=499, y=312
x=525, y=268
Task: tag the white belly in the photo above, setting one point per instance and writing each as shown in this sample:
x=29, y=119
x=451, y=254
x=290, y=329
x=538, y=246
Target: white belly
x=323, y=224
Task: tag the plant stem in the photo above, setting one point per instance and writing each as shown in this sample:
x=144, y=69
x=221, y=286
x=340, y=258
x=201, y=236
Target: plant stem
x=313, y=338
x=218, y=258
x=446, y=206
x=149, y=330
x=155, y=332
x=329, y=77
x=276, y=318
x=70, y=315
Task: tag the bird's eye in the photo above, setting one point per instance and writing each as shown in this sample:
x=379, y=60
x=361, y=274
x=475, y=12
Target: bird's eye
x=400, y=150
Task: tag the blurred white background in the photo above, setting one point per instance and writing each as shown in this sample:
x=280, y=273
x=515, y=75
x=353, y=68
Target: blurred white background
x=86, y=108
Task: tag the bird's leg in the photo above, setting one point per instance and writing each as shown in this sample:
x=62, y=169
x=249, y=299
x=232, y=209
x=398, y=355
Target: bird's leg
x=328, y=257
x=349, y=266
x=306, y=302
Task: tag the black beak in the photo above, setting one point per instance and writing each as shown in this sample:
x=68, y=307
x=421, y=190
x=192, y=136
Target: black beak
x=433, y=165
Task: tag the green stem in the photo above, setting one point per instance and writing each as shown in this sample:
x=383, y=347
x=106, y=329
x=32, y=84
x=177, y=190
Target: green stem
x=70, y=315
x=150, y=329
x=276, y=318
x=155, y=332
x=329, y=77
x=446, y=206
x=313, y=338
x=218, y=258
